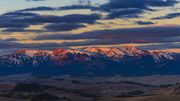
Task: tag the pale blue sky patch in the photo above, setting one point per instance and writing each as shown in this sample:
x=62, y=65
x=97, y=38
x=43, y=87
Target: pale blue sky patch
x=12, y=5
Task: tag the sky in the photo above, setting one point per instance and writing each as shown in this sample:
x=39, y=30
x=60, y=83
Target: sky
x=49, y=24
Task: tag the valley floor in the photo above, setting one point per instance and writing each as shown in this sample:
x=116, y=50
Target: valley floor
x=66, y=88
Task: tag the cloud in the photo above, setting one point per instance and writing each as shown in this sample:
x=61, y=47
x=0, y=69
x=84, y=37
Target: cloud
x=168, y=16
x=71, y=7
x=125, y=13
x=139, y=4
x=19, y=14
x=4, y=45
x=144, y=23
x=161, y=46
x=17, y=21
x=119, y=36
x=115, y=8
x=161, y=31
x=9, y=20
x=39, y=9
x=72, y=18
x=63, y=26
x=16, y=45
x=10, y=39
x=13, y=21
x=22, y=30
x=144, y=35
x=88, y=42
x=119, y=8
x=8, y=24
x=80, y=18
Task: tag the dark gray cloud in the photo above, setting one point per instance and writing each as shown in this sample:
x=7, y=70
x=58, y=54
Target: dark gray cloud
x=63, y=26
x=168, y=16
x=8, y=20
x=139, y=4
x=72, y=18
x=19, y=14
x=71, y=7
x=131, y=33
x=10, y=39
x=125, y=13
x=8, y=24
x=115, y=7
x=144, y=22
x=18, y=21
x=119, y=36
x=14, y=30
x=165, y=36
x=15, y=45
x=22, y=30
x=161, y=46
x=43, y=8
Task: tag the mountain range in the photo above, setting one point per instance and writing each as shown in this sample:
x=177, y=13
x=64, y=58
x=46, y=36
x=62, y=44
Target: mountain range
x=94, y=61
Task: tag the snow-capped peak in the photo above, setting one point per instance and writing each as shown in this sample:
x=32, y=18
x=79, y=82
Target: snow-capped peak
x=97, y=49
x=113, y=53
x=130, y=50
x=158, y=55
x=124, y=50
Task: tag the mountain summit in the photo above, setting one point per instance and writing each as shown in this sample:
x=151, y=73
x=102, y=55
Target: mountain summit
x=125, y=60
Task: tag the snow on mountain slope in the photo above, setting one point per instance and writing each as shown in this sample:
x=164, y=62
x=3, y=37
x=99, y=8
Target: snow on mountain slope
x=159, y=55
x=66, y=56
x=122, y=60
x=116, y=52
